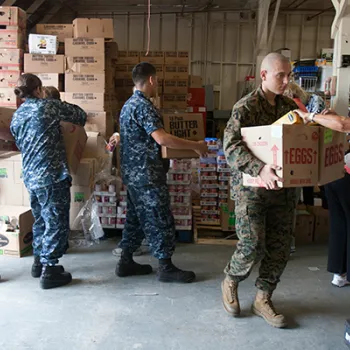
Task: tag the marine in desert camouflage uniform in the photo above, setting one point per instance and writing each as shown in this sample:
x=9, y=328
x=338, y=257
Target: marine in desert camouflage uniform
x=264, y=216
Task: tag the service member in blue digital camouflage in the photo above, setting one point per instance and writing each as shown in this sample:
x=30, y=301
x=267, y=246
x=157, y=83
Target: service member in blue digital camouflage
x=264, y=216
x=36, y=129
x=148, y=203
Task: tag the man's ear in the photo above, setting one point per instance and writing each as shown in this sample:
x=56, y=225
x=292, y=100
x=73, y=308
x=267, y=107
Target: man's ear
x=263, y=74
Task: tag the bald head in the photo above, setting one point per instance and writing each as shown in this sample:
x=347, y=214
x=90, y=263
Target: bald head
x=275, y=73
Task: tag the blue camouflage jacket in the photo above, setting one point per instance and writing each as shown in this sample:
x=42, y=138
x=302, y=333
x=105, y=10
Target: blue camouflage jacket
x=140, y=156
x=36, y=128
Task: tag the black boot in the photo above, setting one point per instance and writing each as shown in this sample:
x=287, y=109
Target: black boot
x=36, y=267
x=167, y=272
x=128, y=267
x=54, y=276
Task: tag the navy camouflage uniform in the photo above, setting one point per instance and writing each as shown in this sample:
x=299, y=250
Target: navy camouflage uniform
x=36, y=129
x=264, y=218
x=148, y=202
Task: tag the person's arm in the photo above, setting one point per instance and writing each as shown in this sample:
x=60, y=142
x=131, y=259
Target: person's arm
x=67, y=112
x=330, y=121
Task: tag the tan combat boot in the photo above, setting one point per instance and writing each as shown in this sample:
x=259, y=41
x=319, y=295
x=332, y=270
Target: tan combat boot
x=264, y=308
x=230, y=297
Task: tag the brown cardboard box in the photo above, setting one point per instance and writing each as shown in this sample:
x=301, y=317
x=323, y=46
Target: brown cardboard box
x=13, y=16
x=95, y=146
x=160, y=71
x=85, y=174
x=85, y=82
x=292, y=147
x=174, y=101
x=73, y=213
x=153, y=57
x=92, y=64
x=84, y=47
x=304, y=229
x=111, y=50
x=175, y=86
x=87, y=100
x=129, y=57
x=7, y=143
x=11, y=38
x=332, y=149
x=43, y=63
x=195, y=81
x=11, y=59
x=175, y=72
x=187, y=126
x=100, y=122
x=228, y=217
x=123, y=71
x=177, y=58
x=18, y=243
x=11, y=193
x=321, y=229
x=52, y=79
x=93, y=28
x=75, y=139
x=8, y=98
x=8, y=79
x=62, y=31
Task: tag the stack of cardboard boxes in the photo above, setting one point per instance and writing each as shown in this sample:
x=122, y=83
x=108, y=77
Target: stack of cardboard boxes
x=12, y=35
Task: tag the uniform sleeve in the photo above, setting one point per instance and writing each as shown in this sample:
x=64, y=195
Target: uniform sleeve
x=238, y=156
x=67, y=112
x=149, y=119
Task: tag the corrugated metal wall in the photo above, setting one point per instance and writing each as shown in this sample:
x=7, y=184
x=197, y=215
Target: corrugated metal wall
x=221, y=45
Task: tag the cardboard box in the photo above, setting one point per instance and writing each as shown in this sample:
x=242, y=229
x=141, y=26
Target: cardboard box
x=228, y=217
x=73, y=214
x=12, y=38
x=177, y=58
x=11, y=59
x=86, y=64
x=153, y=57
x=18, y=243
x=129, y=57
x=80, y=194
x=171, y=101
x=43, y=63
x=175, y=86
x=8, y=98
x=85, y=47
x=75, y=139
x=52, y=79
x=304, y=229
x=95, y=146
x=10, y=192
x=293, y=147
x=8, y=79
x=327, y=54
x=100, y=122
x=160, y=71
x=13, y=16
x=332, y=149
x=187, y=126
x=196, y=97
x=123, y=71
x=94, y=101
x=85, y=82
x=61, y=31
x=175, y=72
x=93, y=28
x=124, y=87
x=111, y=50
x=7, y=143
x=195, y=81
x=43, y=44
x=321, y=228
x=85, y=174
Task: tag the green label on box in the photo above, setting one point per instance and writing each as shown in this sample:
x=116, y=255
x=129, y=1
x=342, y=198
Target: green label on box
x=79, y=197
x=232, y=220
x=3, y=173
x=328, y=136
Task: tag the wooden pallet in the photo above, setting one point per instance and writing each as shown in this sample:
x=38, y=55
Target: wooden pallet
x=209, y=234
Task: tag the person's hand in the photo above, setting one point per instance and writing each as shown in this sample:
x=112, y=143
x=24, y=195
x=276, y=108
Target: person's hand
x=114, y=139
x=303, y=115
x=202, y=148
x=329, y=111
x=269, y=177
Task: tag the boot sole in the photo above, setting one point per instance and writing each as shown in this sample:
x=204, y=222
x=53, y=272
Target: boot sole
x=234, y=314
x=170, y=280
x=132, y=274
x=36, y=274
x=47, y=284
x=258, y=313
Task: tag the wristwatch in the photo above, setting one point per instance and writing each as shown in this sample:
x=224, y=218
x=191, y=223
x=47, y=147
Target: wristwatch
x=312, y=116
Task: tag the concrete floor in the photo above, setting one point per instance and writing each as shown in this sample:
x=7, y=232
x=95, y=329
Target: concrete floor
x=100, y=311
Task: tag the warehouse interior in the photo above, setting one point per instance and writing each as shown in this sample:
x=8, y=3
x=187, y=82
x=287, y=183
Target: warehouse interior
x=208, y=56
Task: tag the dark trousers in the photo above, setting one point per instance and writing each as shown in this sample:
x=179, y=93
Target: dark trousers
x=338, y=197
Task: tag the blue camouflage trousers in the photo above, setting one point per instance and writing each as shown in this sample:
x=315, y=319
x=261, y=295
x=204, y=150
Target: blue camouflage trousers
x=149, y=216
x=50, y=208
